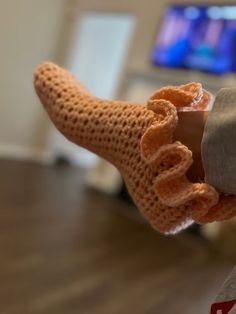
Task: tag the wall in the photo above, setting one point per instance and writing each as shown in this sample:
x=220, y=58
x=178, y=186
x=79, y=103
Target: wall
x=33, y=31
x=148, y=12
x=29, y=32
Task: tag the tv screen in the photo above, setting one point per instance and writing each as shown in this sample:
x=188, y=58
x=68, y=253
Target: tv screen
x=198, y=37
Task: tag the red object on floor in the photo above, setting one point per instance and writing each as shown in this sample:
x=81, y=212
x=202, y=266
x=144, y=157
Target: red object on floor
x=224, y=307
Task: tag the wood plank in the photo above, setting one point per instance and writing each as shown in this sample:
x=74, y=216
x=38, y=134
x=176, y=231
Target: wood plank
x=67, y=249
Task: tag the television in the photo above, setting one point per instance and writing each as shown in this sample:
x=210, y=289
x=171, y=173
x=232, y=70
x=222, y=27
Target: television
x=201, y=37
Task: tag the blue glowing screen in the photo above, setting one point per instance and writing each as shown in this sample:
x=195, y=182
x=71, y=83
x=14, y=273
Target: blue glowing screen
x=197, y=37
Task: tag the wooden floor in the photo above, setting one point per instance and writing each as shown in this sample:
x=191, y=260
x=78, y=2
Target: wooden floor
x=68, y=250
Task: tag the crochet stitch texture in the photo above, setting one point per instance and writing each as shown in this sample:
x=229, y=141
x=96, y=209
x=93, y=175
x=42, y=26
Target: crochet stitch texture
x=138, y=140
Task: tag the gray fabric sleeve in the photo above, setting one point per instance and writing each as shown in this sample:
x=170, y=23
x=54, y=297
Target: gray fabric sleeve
x=219, y=143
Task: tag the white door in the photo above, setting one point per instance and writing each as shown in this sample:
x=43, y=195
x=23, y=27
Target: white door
x=99, y=45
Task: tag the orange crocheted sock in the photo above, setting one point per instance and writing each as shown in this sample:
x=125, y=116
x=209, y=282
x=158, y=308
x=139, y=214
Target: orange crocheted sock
x=138, y=140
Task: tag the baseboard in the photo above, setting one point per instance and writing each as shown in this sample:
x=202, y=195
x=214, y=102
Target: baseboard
x=12, y=151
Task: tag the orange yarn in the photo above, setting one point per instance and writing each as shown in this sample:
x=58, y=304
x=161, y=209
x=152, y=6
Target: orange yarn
x=137, y=139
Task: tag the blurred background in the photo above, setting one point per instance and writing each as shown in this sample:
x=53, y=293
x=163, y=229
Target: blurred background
x=71, y=239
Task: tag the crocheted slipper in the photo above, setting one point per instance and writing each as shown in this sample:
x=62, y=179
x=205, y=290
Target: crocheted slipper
x=138, y=140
